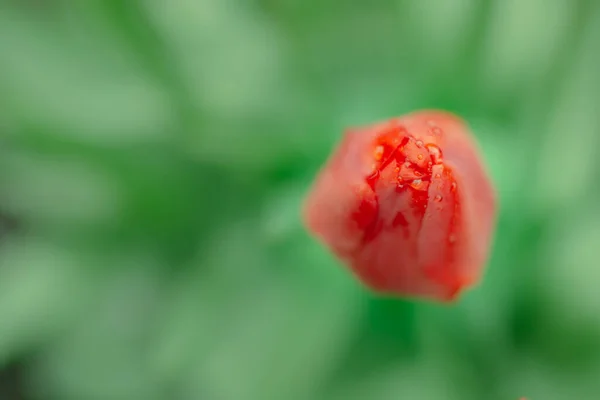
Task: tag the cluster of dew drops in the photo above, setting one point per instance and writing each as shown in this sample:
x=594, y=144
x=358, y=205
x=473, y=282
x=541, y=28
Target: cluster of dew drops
x=420, y=176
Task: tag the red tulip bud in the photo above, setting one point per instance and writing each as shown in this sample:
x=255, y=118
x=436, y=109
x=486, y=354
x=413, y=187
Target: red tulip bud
x=407, y=205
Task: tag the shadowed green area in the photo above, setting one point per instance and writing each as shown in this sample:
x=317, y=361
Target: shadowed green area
x=153, y=160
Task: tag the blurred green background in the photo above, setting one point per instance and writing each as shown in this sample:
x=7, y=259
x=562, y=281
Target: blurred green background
x=154, y=155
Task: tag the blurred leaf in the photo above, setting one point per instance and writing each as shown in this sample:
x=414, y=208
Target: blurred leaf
x=38, y=282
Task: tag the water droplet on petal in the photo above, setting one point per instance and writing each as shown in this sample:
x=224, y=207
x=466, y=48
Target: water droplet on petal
x=378, y=153
x=418, y=184
x=437, y=198
x=436, y=153
x=420, y=156
x=453, y=186
x=419, y=143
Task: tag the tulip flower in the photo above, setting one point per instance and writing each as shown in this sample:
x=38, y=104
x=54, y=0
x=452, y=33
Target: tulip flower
x=407, y=205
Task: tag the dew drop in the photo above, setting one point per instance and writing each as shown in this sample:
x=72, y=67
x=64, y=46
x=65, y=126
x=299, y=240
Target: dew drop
x=437, y=198
x=436, y=153
x=419, y=143
x=437, y=176
x=378, y=153
x=417, y=182
x=420, y=156
x=436, y=131
x=453, y=186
